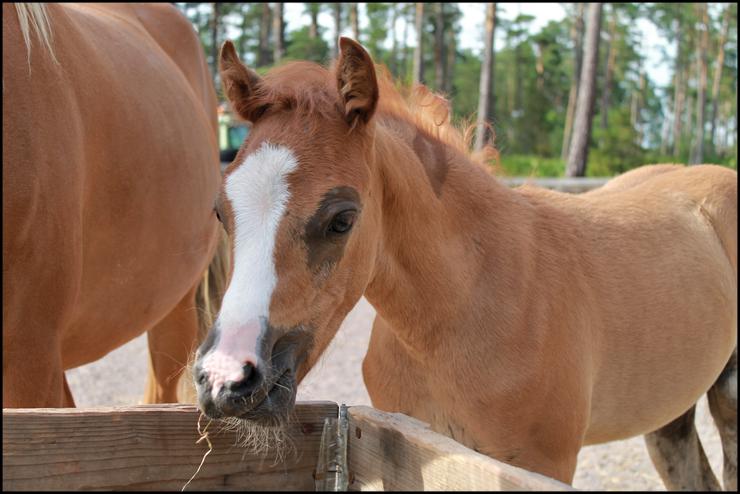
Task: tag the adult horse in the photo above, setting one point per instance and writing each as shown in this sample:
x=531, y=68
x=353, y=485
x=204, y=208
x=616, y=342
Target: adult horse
x=110, y=170
x=524, y=323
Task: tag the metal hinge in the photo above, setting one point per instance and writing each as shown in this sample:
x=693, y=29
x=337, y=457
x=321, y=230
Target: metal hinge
x=332, y=471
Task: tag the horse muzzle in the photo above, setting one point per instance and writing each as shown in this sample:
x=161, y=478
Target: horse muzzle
x=261, y=388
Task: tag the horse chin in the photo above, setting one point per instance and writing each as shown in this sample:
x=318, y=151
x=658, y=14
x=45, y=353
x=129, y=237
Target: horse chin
x=277, y=405
x=265, y=429
x=270, y=407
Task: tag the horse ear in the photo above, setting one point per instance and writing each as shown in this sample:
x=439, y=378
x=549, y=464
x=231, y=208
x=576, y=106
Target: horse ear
x=356, y=82
x=239, y=83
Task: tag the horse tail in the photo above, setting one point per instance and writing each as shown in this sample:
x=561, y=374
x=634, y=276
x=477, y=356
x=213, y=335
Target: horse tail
x=35, y=15
x=212, y=287
x=208, y=297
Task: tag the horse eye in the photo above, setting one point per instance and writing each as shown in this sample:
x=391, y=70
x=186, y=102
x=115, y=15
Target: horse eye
x=342, y=222
x=218, y=216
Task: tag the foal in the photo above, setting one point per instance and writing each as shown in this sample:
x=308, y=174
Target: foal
x=523, y=323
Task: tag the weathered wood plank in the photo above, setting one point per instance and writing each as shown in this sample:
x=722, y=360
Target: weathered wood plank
x=562, y=184
x=390, y=451
x=149, y=447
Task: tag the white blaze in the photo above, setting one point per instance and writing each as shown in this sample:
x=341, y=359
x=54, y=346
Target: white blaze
x=258, y=194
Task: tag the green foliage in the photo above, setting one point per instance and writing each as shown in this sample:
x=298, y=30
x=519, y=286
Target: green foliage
x=302, y=47
x=533, y=75
x=377, y=30
x=618, y=149
x=515, y=165
x=465, y=84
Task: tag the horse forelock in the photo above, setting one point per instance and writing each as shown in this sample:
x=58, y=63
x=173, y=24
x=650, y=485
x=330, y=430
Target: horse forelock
x=301, y=87
x=36, y=16
x=307, y=90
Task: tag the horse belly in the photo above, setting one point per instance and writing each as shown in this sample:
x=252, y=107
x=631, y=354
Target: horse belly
x=151, y=176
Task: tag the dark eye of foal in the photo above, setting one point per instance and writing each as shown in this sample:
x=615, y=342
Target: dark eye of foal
x=342, y=222
x=218, y=216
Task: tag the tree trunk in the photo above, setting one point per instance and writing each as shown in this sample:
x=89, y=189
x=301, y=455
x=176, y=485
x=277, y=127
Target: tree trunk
x=727, y=117
x=701, y=52
x=337, y=28
x=215, y=21
x=404, y=41
x=664, y=137
x=354, y=21
x=486, y=79
x=263, y=52
x=313, y=29
x=635, y=108
x=679, y=93
x=244, y=26
x=539, y=66
x=439, y=46
x=689, y=105
x=394, y=46
x=577, y=158
x=451, y=57
x=611, y=58
x=576, y=33
x=278, y=32
x=418, y=51
x=517, y=77
x=718, y=75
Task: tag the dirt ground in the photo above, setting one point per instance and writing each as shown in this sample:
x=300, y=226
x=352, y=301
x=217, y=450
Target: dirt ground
x=118, y=379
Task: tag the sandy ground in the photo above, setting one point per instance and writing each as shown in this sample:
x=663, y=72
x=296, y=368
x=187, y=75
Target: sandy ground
x=118, y=379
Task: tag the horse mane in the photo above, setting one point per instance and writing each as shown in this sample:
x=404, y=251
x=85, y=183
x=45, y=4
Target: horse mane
x=35, y=15
x=429, y=111
x=308, y=88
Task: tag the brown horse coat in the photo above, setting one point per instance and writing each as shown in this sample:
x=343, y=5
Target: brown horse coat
x=110, y=171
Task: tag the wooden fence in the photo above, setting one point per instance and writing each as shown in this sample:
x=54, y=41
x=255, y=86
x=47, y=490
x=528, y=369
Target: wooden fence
x=573, y=185
x=155, y=447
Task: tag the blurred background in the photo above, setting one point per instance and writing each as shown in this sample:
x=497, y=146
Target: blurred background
x=568, y=89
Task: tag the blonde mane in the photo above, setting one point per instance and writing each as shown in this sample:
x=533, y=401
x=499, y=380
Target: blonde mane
x=34, y=15
x=430, y=112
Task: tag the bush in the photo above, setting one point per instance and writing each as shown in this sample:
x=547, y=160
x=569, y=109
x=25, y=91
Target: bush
x=530, y=166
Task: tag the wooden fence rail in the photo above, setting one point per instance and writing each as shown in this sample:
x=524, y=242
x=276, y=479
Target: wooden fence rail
x=574, y=184
x=153, y=447
x=394, y=452
x=149, y=447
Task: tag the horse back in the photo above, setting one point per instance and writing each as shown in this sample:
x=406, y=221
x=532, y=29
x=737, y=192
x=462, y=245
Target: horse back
x=175, y=35
x=712, y=188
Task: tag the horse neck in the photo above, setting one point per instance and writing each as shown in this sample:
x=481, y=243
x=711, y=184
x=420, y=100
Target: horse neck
x=445, y=223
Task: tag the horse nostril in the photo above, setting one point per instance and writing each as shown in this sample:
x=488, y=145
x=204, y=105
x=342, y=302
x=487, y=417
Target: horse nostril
x=248, y=384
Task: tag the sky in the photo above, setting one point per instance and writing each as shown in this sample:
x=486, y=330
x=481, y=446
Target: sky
x=471, y=34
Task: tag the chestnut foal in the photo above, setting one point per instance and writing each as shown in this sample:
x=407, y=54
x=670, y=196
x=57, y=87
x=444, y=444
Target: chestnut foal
x=523, y=323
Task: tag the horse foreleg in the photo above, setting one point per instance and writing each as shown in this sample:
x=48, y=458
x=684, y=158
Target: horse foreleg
x=679, y=457
x=722, y=397
x=69, y=401
x=40, y=386
x=171, y=342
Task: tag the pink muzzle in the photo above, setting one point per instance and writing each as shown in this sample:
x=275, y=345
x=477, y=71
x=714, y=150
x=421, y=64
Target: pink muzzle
x=235, y=347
